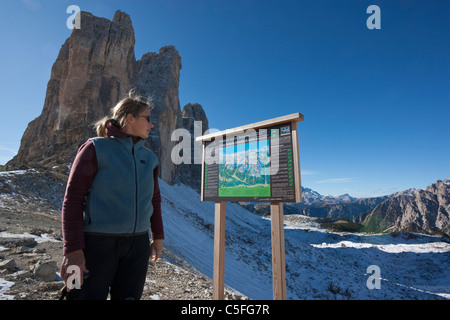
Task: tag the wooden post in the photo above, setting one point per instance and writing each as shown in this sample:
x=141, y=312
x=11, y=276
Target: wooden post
x=297, y=180
x=219, y=251
x=278, y=253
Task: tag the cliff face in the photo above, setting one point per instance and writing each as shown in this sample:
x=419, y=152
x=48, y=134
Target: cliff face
x=424, y=211
x=159, y=77
x=196, y=123
x=95, y=68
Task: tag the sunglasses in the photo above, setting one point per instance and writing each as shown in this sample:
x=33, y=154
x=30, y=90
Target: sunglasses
x=149, y=119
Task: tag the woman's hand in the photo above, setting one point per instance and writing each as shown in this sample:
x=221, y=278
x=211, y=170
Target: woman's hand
x=74, y=258
x=157, y=247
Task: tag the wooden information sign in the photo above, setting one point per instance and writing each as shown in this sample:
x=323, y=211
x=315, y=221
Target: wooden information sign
x=258, y=162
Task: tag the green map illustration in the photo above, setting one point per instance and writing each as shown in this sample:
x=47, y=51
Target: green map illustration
x=244, y=170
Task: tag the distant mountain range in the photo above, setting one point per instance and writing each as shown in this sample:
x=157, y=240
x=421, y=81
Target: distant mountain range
x=425, y=211
x=412, y=210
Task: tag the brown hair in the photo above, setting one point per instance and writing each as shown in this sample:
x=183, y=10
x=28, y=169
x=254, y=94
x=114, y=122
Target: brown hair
x=131, y=104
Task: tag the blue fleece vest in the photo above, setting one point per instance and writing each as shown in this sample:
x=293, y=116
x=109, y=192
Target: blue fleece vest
x=120, y=199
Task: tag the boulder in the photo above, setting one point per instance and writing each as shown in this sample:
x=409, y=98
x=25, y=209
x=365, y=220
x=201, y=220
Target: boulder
x=45, y=270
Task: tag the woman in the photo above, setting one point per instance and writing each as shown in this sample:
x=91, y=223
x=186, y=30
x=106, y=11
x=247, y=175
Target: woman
x=112, y=200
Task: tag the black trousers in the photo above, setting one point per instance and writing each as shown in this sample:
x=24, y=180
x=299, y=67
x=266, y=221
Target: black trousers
x=117, y=266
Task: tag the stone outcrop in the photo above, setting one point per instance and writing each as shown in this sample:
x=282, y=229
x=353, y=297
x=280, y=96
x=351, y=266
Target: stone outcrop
x=196, y=123
x=159, y=77
x=95, y=68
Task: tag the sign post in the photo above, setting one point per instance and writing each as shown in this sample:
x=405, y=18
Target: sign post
x=219, y=251
x=278, y=256
x=258, y=162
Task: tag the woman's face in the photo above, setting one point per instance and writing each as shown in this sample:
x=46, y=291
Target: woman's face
x=140, y=126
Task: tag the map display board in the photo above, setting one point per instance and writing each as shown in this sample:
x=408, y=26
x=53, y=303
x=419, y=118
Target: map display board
x=254, y=165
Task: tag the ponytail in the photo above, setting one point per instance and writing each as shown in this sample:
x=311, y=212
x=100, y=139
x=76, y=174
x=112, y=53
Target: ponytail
x=100, y=126
x=131, y=104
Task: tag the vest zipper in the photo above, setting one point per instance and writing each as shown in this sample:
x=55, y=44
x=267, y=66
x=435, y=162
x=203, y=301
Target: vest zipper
x=136, y=193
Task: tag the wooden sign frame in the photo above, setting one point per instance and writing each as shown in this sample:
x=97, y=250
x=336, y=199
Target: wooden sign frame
x=271, y=124
x=276, y=209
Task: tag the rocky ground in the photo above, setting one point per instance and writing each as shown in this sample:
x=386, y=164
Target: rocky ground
x=32, y=262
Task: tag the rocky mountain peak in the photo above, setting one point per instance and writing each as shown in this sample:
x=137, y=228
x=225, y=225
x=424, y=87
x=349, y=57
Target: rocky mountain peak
x=122, y=18
x=95, y=68
x=194, y=112
x=439, y=187
x=159, y=78
x=195, y=121
x=415, y=210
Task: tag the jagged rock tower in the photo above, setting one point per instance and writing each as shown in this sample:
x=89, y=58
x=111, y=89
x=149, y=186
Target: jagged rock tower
x=95, y=68
x=158, y=78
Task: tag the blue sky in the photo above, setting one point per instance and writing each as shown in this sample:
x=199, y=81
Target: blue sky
x=376, y=102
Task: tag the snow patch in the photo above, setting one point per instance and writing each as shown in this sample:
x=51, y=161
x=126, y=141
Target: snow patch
x=436, y=247
x=4, y=288
x=42, y=238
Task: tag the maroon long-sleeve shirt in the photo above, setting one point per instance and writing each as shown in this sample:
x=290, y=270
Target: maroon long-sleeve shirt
x=80, y=180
